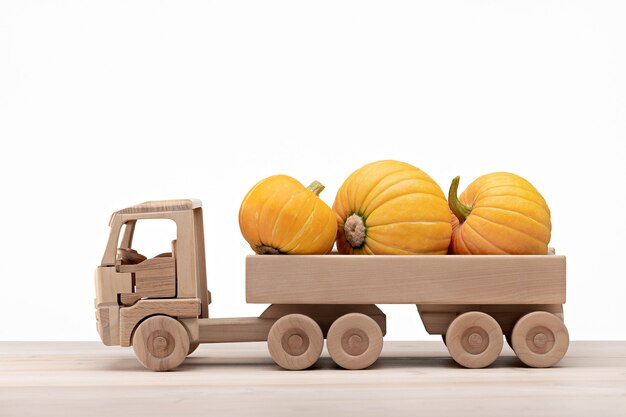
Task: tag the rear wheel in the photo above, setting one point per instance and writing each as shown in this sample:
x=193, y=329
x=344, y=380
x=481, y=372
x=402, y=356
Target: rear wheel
x=540, y=339
x=474, y=339
x=354, y=341
x=295, y=342
x=160, y=343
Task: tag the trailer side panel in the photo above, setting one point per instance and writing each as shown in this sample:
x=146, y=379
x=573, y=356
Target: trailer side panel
x=380, y=279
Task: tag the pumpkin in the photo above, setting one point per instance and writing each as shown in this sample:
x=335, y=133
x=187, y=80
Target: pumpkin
x=280, y=215
x=391, y=208
x=499, y=213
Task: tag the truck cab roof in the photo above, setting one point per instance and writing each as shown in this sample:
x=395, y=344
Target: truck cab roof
x=162, y=205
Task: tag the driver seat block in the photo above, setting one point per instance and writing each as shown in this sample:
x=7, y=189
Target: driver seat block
x=153, y=278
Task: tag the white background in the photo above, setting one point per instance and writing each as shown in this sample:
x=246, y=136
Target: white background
x=107, y=104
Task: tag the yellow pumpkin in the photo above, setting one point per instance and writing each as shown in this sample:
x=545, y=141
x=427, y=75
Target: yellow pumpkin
x=499, y=213
x=391, y=208
x=280, y=215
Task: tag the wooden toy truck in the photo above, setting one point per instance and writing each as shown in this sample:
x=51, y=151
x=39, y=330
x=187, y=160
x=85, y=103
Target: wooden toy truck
x=160, y=305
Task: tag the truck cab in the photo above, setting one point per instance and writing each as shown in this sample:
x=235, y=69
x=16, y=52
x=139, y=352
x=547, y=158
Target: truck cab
x=130, y=287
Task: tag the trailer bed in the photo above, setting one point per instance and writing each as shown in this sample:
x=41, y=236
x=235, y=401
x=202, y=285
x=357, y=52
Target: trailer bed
x=411, y=279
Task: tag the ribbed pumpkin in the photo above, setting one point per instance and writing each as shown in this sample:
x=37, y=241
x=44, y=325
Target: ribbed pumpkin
x=280, y=215
x=499, y=213
x=391, y=208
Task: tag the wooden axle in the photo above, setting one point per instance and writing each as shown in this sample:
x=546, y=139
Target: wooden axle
x=238, y=329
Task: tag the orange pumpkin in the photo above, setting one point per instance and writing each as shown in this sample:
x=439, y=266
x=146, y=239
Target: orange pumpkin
x=499, y=213
x=391, y=208
x=280, y=215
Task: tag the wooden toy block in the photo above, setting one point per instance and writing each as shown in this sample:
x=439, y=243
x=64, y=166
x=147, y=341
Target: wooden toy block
x=237, y=329
x=162, y=206
x=108, y=324
x=110, y=283
x=130, y=316
x=160, y=305
x=155, y=278
x=129, y=299
x=161, y=264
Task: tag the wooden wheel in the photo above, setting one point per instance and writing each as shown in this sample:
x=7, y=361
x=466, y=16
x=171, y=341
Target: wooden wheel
x=295, y=341
x=192, y=347
x=443, y=338
x=474, y=339
x=354, y=341
x=160, y=343
x=540, y=339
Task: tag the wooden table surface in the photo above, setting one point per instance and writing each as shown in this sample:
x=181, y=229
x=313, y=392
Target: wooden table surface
x=410, y=379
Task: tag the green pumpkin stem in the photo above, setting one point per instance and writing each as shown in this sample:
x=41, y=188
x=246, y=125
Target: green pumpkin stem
x=460, y=210
x=316, y=187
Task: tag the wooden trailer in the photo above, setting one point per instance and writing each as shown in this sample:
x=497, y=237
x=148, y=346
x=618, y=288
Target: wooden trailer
x=472, y=301
x=160, y=305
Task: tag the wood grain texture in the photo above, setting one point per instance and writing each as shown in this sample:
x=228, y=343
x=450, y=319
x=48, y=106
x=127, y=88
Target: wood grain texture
x=437, y=317
x=108, y=323
x=425, y=279
x=474, y=339
x=540, y=339
x=162, y=205
x=295, y=342
x=68, y=379
x=158, y=263
x=201, y=279
x=154, y=278
x=326, y=314
x=130, y=316
x=109, y=284
x=354, y=341
x=236, y=329
x=161, y=343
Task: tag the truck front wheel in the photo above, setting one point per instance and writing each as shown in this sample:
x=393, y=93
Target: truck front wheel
x=160, y=343
x=295, y=341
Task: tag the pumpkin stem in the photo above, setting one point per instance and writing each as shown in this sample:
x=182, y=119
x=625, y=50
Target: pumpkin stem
x=354, y=229
x=316, y=187
x=460, y=210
